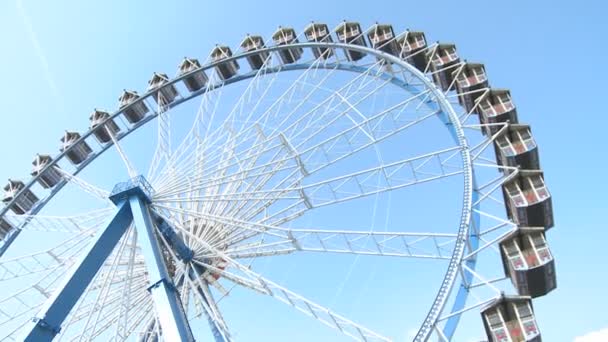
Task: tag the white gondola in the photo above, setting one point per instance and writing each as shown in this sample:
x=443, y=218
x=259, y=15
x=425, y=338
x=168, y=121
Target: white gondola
x=77, y=152
x=411, y=46
x=163, y=94
x=287, y=36
x=102, y=133
x=496, y=106
x=382, y=37
x=195, y=80
x=471, y=79
x=443, y=58
x=47, y=178
x=226, y=69
x=528, y=262
x=528, y=200
x=516, y=147
x=510, y=319
x=253, y=43
x=136, y=111
x=5, y=228
x=350, y=33
x=23, y=203
x=317, y=32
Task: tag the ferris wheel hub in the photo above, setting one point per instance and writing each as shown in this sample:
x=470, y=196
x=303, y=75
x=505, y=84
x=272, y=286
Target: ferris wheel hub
x=136, y=186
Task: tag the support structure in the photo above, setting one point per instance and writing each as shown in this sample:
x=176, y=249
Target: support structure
x=131, y=199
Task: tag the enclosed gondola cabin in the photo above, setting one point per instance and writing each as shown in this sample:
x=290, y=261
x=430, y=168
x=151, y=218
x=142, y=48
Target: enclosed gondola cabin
x=47, y=177
x=443, y=58
x=510, y=319
x=24, y=202
x=496, y=106
x=195, y=79
x=528, y=262
x=226, y=69
x=102, y=126
x=254, y=43
x=516, y=147
x=316, y=32
x=350, y=33
x=135, y=111
x=287, y=36
x=527, y=199
x=163, y=94
x=471, y=80
x=382, y=37
x=412, y=45
x=5, y=228
x=76, y=152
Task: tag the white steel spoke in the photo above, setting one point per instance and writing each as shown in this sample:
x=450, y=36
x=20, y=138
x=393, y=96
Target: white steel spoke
x=300, y=303
x=65, y=224
x=391, y=176
x=130, y=169
x=237, y=235
x=163, y=143
x=57, y=257
x=85, y=186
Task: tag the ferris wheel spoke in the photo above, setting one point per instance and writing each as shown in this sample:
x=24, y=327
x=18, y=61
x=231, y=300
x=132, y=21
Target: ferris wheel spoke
x=209, y=306
x=128, y=165
x=84, y=185
x=60, y=256
x=276, y=112
x=412, y=245
x=296, y=301
x=183, y=153
x=28, y=300
x=65, y=224
x=162, y=151
x=418, y=170
x=392, y=176
x=240, y=236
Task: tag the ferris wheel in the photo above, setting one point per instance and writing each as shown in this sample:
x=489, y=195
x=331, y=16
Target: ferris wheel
x=345, y=142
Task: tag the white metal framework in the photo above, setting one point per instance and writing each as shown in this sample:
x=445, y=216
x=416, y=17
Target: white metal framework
x=325, y=125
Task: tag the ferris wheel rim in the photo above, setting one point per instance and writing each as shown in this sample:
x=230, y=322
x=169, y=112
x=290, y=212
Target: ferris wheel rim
x=453, y=124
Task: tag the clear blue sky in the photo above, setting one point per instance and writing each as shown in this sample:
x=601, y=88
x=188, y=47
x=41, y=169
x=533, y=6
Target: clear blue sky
x=60, y=59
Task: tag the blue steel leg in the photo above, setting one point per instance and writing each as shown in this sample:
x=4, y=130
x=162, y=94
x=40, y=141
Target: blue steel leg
x=48, y=323
x=171, y=315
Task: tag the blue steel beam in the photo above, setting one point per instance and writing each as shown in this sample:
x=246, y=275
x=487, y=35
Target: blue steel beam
x=47, y=324
x=170, y=312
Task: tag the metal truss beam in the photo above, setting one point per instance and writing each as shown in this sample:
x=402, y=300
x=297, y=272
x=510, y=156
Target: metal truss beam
x=171, y=315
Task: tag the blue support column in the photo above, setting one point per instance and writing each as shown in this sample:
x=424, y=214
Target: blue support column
x=131, y=199
x=168, y=306
x=47, y=324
